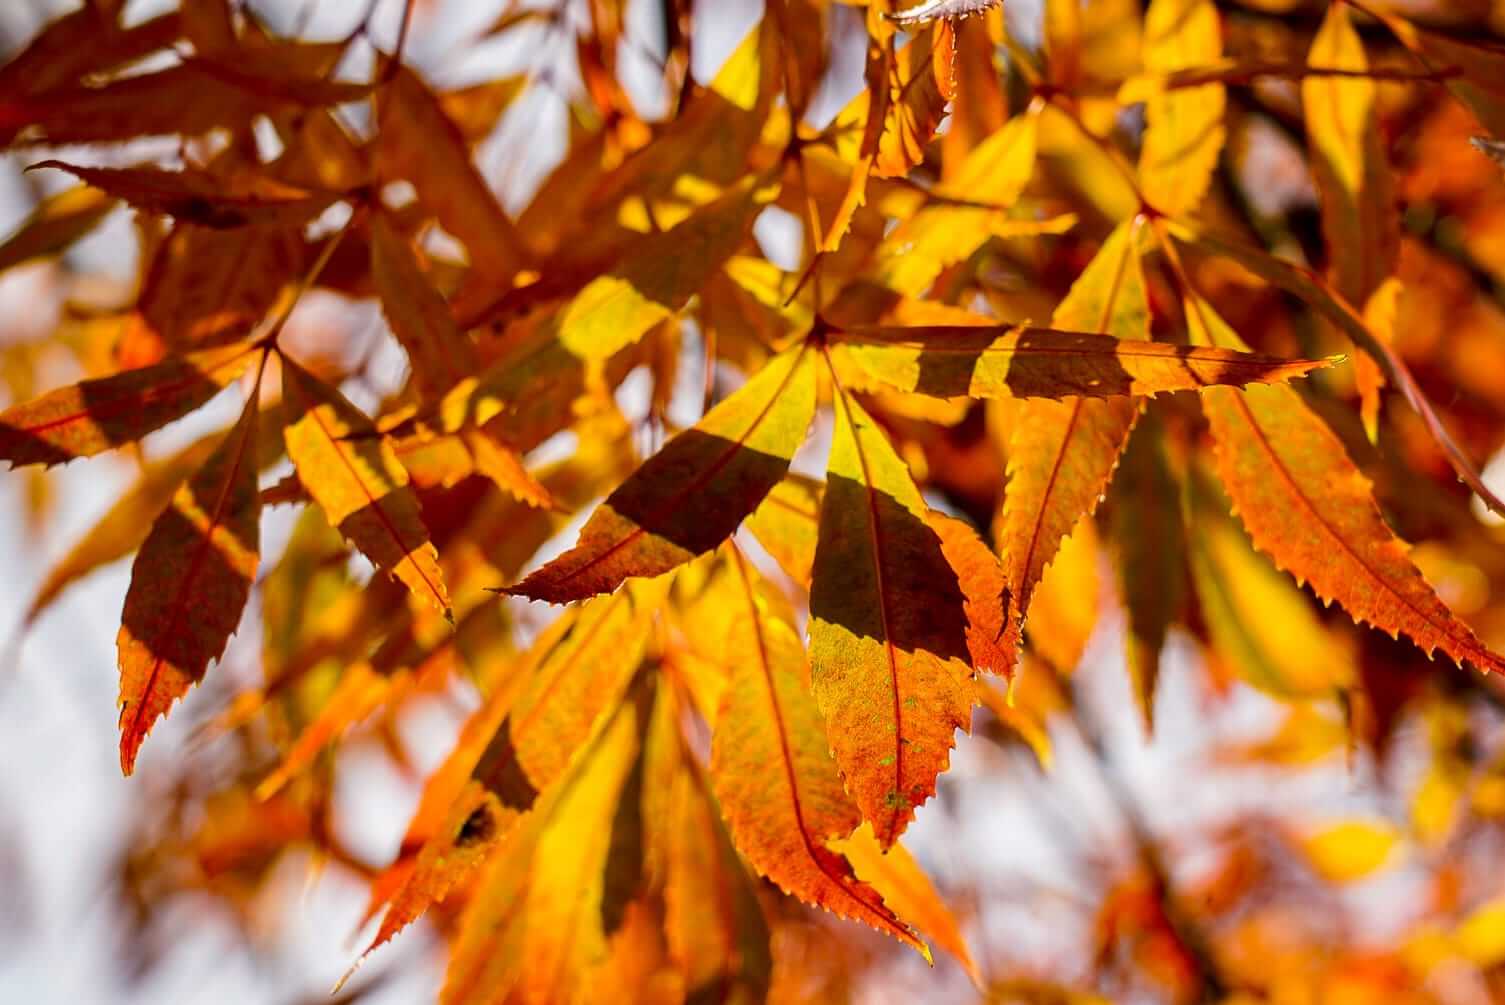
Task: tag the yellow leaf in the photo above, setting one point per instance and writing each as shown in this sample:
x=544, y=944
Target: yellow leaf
x=1184, y=128
x=1351, y=850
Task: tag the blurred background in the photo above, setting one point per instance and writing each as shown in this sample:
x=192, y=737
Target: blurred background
x=1074, y=853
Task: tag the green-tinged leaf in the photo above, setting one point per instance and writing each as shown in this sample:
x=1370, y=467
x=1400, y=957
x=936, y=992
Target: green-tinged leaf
x=888, y=646
x=694, y=493
x=772, y=771
x=660, y=273
x=189, y=585
x=357, y=480
x=97, y=415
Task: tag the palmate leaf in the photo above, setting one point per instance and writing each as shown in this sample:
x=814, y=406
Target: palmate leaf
x=97, y=415
x=1062, y=454
x=189, y=584
x=357, y=480
x=772, y=771
x=1310, y=508
x=888, y=648
x=693, y=494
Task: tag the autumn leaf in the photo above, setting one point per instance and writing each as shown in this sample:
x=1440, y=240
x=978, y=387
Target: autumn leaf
x=786, y=523
x=934, y=9
x=57, y=222
x=1008, y=361
x=354, y=476
x=887, y=634
x=904, y=886
x=981, y=579
x=773, y=773
x=694, y=493
x=419, y=143
x=1184, y=128
x=201, y=198
x=97, y=415
x=1310, y=508
x=1062, y=454
x=189, y=585
x=578, y=673
x=438, y=352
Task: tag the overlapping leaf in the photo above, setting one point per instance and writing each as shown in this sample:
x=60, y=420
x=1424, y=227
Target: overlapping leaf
x=888, y=646
x=356, y=478
x=694, y=493
x=772, y=771
x=97, y=415
x=189, y=585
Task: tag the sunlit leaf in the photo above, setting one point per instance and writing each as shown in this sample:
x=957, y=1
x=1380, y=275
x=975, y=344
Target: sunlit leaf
x=888, y=648
x=694, y=493
x=356, y=478
x=98, y=415
x=189, y=585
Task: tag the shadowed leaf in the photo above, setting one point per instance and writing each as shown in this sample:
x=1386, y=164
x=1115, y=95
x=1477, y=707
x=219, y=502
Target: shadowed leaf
x=357, y=480
x=693, y=494
x=887, y=634
x=98, y=415
x=772, y=771
x=189, y=585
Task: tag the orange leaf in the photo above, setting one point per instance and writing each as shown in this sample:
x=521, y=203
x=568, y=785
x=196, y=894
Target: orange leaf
x=1307, y=505
x=772, y=772
x=692, y=495
x=417, y=142
x=55, y=223
x=356, y=478
x=199, y=197
x=1011, y=361
x=981, y=578
x=931, y=10
x=189, y=585
x=905, y=887
x=438, y=352
x=1062, y=454
x=98, y=415
x=888, y=642
x=575, y=676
